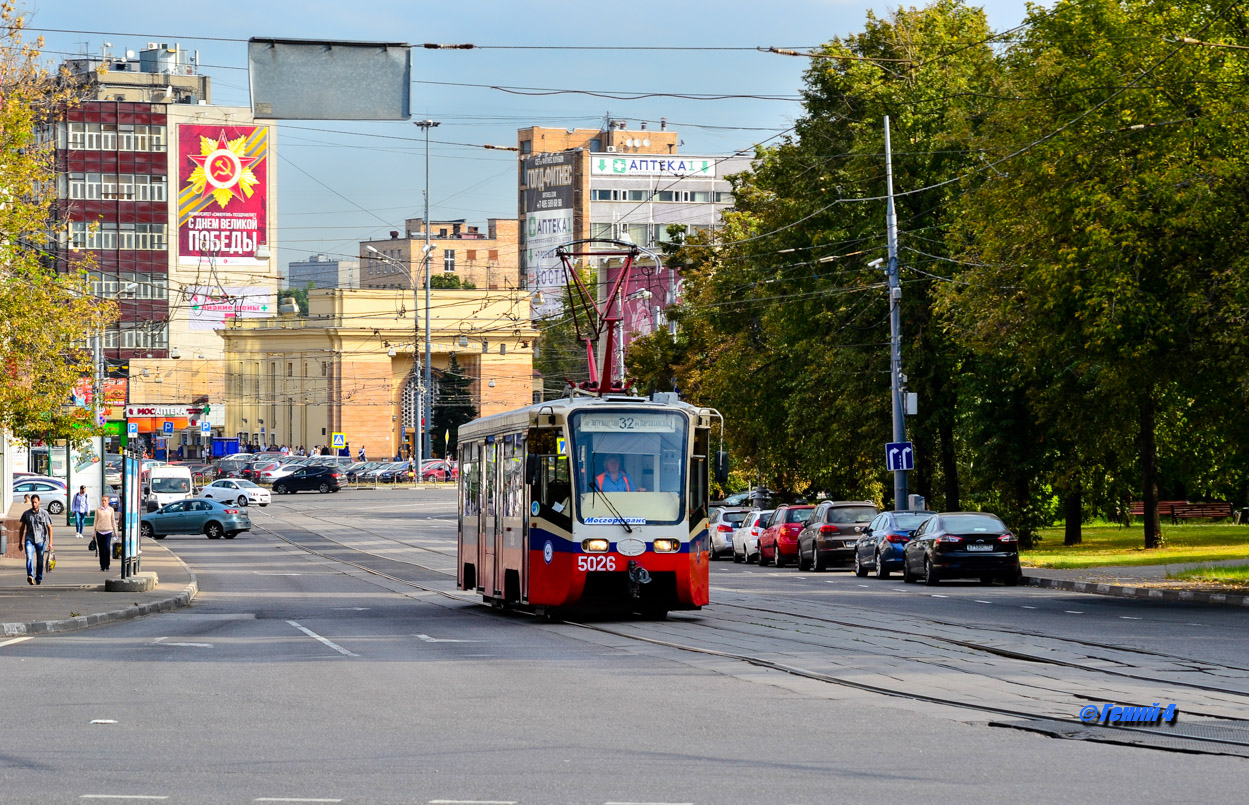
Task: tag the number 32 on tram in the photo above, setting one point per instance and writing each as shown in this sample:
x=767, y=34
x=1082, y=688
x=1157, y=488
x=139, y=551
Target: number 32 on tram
x=588, y=503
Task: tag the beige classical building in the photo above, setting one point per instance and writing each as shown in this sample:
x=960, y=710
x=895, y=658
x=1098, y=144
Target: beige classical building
x=348, y=366
x=489, y=260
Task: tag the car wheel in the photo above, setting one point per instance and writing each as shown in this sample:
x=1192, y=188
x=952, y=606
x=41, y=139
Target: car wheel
x=147, y=531
x=280, y=489
x=881, y=573
x=777, y=559
x=802, y=560
x=1012, y=580
x=759, y=556
x=242, y=500
x=817, y=562
x=906, y=572
x=324, y=488
x=930, y=575
x=859, y=570
x=214, y=530
x=56, y=507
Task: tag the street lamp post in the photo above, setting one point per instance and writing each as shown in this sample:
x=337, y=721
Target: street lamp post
x=427, y=443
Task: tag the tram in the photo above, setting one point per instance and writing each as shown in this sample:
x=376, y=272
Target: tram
x=591, y=501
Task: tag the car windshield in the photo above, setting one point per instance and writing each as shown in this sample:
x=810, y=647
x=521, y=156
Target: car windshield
x=970, y=524
x=798, y=515
x=910, y=522
x=170, y=485
x=851, y=514
x=630, y=465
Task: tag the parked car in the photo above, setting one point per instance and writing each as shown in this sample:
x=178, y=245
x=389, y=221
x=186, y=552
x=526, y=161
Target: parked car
x=273, y=473
x=831, y=533
x=237, y=490
x=746, y=537
x=395, y=472
x=232, y=466
x=882, y=542
x=779, y=542
x=357, y=470
x=439, y=470
x=322, y=479
x=196, y=516
x=954, y=545
x=746, y=498
x=721, y=525
x=51, y=495
x=253, y=470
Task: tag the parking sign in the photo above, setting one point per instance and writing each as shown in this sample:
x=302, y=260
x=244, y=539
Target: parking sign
x=132, y=429
x=167, y=428
x=205, y=428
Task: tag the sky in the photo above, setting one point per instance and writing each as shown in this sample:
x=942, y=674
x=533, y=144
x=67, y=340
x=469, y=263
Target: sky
x=343, y=182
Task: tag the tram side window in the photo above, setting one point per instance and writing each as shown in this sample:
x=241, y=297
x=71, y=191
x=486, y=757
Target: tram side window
x=552, y=487
x=513, y=477
x=699, y=473
x=470, y=473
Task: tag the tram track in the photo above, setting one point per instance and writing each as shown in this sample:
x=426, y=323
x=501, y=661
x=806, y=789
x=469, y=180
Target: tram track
x=1235, y=742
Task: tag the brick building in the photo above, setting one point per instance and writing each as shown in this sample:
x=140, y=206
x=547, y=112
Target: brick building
x=487, y=260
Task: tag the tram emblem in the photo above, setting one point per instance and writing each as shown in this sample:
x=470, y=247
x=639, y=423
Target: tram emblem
x=548, y=552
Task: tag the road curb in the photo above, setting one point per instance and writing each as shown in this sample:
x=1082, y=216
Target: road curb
x=1145, y=593
x=173, y=602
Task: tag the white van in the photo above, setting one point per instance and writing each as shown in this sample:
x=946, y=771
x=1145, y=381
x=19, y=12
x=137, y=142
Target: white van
x=166, y=483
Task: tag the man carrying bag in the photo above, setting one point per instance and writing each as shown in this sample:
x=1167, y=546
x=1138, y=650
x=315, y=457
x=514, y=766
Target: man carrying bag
x=35, y=533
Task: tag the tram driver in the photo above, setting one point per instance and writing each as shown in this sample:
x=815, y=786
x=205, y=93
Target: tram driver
x=613, y=478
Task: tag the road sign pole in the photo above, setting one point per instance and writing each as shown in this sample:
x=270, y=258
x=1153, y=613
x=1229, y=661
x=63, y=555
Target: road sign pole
x=895, y=327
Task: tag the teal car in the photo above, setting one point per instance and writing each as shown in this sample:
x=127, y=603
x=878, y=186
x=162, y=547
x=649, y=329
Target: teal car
x=199, y=516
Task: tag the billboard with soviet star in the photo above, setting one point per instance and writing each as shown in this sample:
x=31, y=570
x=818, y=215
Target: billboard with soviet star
x=222, y=194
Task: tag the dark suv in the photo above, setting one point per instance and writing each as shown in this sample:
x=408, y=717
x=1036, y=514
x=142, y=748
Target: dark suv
x=321, y=479
x=831, y=533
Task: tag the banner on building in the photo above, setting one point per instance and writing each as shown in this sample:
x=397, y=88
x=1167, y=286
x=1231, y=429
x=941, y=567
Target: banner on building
x=222, y=194
x=210, y=307
x=649, y=165
x=544, y=276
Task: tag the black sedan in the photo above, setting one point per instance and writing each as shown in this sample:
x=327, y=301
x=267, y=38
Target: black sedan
x=880, y=547
x=955, y=545
x=320, y=479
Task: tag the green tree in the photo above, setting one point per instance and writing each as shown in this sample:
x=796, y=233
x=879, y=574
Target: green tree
x=452, y=409
x=46, y=318
x=1108, y=245
x=449, y=282
x=300, y=295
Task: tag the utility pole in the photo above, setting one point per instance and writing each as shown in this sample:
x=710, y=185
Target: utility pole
x=895, y=327
x=427, y=449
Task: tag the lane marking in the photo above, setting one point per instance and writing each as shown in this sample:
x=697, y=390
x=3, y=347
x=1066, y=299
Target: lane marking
x=429, y=639
x=1073, y=612
x=323, y=640
x=1027, y=607
x=187, y=645
x=104, y=721
x=866, y=586
x=16, y=640
x=121, y=796
x=935, y=595
x=353, y=609
x=1128, y=618
x=978, y=601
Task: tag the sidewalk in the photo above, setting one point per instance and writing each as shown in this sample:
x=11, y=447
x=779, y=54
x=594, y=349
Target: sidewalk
x=73, y=596
x=1146, y=581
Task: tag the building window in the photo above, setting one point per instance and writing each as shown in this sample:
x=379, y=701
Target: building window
x=600, y=195
x=638, y=195
x=493, y=254
x=448, y=260
x=601, y=231
x=325, y=368
x=125, y=138
x=526, y=146
x=77, y=137
x=108, y=137
x=470, y=255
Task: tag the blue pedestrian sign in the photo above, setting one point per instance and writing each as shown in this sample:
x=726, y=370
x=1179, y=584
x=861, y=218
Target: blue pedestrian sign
x=205, y=428
x=132, y=429
x=167, y=428
x=899, y=456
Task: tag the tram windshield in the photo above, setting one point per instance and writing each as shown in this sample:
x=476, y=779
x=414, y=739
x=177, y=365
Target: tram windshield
x=630, y=465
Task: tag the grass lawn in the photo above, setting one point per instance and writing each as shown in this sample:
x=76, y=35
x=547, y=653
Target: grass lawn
x=1115, y=545
x=1235, y=574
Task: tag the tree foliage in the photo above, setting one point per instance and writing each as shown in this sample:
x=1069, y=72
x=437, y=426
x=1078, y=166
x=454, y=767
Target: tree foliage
x=46, y=317
x=452, y=409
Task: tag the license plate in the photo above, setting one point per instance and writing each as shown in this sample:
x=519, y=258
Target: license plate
x=979, y=547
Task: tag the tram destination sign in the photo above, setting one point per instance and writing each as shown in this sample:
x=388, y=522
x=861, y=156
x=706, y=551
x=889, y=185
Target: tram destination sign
x=627, y=422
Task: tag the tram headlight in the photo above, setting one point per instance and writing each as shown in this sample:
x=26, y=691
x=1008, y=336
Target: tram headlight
x=667, y=545
x=595, y=545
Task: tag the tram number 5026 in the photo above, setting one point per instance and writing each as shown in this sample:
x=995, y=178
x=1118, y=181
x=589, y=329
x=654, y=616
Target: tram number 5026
x=596, y=563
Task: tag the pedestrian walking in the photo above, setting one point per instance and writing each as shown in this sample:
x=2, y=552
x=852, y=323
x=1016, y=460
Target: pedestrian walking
x=35, y=533
x=105, y=529
x=361, y=456
x=80, y=507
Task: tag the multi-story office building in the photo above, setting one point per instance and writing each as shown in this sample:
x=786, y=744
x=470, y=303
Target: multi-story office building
x=323, y=271
x=171, y=200
x=486, y=260
x=618, y=184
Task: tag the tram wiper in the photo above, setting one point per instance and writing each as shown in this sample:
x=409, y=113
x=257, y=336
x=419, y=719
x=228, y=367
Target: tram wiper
x=594, y=496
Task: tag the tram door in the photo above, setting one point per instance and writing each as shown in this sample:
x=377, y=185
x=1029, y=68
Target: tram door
x=489, y=535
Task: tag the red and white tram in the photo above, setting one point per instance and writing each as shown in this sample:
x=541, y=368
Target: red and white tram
x=589, y=501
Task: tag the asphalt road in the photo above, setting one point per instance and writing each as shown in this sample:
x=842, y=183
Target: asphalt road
x=328, y=658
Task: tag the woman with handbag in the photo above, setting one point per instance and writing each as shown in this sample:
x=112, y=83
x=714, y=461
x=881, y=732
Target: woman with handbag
x=105, y=528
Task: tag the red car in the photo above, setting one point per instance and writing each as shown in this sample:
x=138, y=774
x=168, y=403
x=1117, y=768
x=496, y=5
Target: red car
x=779, y=541
x=439, y=470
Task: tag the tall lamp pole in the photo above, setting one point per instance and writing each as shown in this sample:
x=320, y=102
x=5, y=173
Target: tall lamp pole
x=895, y=328
x=427, y=441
